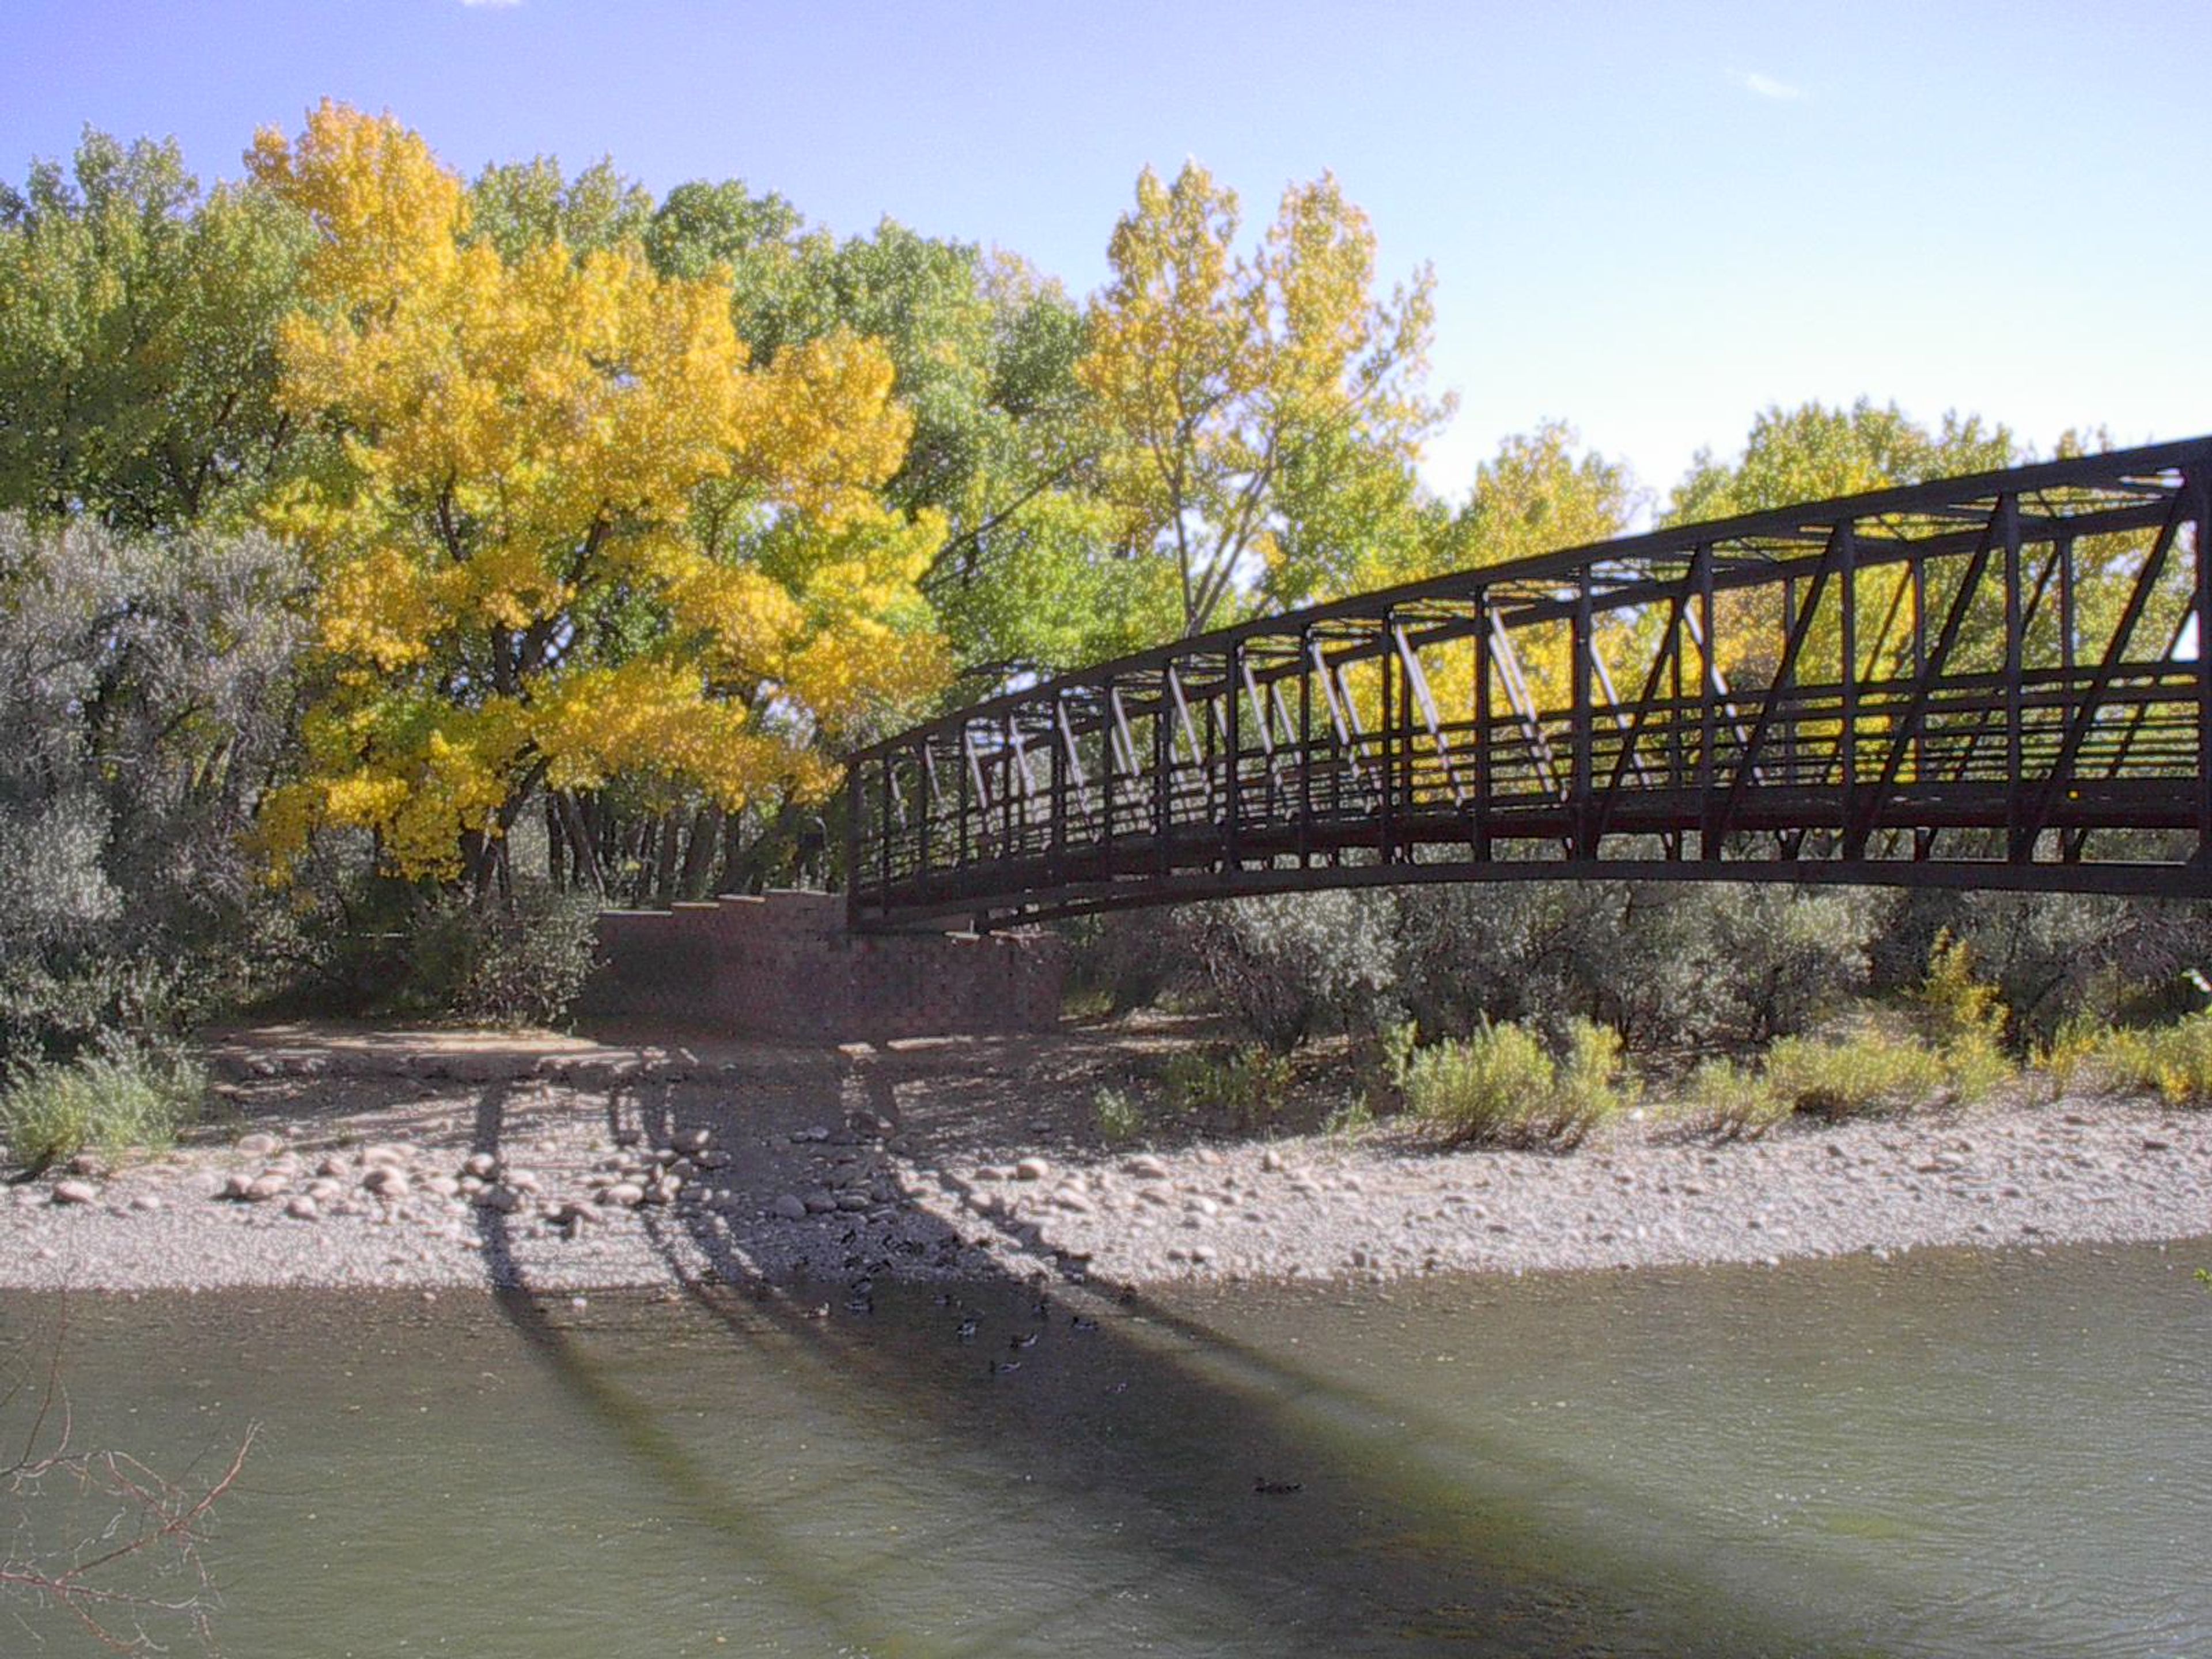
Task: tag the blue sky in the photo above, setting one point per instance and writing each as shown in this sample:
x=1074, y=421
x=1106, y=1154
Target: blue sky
x=1649, y=219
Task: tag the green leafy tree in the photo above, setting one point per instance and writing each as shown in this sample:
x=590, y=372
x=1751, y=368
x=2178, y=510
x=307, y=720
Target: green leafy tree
x=138, y=320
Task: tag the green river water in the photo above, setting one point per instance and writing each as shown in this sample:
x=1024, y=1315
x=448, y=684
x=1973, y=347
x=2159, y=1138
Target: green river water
x=1945, y=1453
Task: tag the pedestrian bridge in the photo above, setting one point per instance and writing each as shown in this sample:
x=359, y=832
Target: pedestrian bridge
x=1990, y=681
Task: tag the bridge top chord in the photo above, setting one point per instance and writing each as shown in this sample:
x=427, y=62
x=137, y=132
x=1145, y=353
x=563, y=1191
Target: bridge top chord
x=1983, y=681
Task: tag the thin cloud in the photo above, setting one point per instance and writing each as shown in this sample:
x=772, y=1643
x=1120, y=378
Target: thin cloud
x=491, y=5
x=1765, y=86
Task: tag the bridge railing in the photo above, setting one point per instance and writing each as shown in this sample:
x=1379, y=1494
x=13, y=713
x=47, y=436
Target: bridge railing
x=1989, y=680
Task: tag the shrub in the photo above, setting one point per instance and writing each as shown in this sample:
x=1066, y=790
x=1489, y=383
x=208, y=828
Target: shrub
x=121, y=1097
x=1870, y=1070
x=1662, y=965
x=1119, y=1118
x=1286, y=968
x=2174, y=1060
x=1350, y=1120
x=1245, y=1085
x=1500, y=1086
x=1733, y=1101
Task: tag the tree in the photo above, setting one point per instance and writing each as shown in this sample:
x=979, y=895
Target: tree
x=138, y=339
x=1235, y=394
x=574, y=534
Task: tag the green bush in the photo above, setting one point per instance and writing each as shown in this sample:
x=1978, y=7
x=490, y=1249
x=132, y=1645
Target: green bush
x=1245, y=1085
x=1869, y=1071
x=1732, y=1101
x=1500, y=1086
x=519, y=962
x=2174, y=1060
x=120, y=1098
x=1119, y=1118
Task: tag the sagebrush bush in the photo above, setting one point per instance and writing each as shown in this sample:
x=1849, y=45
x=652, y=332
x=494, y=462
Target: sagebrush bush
x=120, y=1098
x=1289, y=967
x=144, y=701
x=506, y=963
x=1500, y=1086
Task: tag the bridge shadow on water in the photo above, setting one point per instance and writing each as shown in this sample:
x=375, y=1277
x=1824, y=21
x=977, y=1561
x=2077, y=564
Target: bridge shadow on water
x=1020, y=1462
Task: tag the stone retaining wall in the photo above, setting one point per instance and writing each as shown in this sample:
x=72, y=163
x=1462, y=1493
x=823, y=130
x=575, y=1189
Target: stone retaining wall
x=781, y=965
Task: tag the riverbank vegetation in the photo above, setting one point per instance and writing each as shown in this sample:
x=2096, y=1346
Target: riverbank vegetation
x=1530, y=1015
x=397, y=566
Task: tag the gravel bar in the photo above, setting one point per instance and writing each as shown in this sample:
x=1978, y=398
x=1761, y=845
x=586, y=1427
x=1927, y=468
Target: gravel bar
x=440, y=1160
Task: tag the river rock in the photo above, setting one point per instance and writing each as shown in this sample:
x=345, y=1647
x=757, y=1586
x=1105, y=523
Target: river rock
x=260, y=1144
x=820, y=1202
x=788, y=1205
x=1068, y=1198
x=396, y=1155
x=300, y=1207
x=504, y=1200
x=386, y=1180
x=627, y=1194
x=1032, y=1168
x=1145, y=1167
x=691, y=1140
x=482, y=1165
x=264, y=1187
x=146, y=1203
x=74, y=1192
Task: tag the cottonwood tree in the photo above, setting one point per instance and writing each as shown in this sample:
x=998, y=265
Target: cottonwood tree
x=138, y=318
x=1236, y=395
x=573, y=531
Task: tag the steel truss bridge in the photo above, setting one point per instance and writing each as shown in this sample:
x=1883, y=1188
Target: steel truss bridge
x=1991, y=681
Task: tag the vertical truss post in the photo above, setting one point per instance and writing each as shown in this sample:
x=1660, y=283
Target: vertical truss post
x=1584, y=823
x=1389, y=758
x=966, y=767
x=2021, y=848
x=1674, y=649
x=1163, y=774
x=1305, y=747
x=929, y=772
x=1919, y=658
x=2066, y=622
x=1785, y=684
x=884, y=833
x=1007, y=754
x=1482, y=752
x=1847, y=739
x=1709, y=697
x=2197, y=480
x=853, y=849
x=1057, y=802
x=1232, y=674
x=1112, y=705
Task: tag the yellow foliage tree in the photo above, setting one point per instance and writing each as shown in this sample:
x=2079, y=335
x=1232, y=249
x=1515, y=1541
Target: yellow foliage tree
x=575, y=533
x=1243, y=401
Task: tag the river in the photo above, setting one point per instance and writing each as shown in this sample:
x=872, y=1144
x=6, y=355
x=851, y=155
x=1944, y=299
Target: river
x=1948, y=1453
